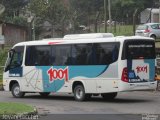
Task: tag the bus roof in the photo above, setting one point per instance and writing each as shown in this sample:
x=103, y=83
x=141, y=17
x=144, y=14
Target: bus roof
x=83, y=38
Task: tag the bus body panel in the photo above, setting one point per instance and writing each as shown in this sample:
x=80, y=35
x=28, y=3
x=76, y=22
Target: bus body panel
x=141, y=70
x=58, y=78
x=140, y=75
x=32, y=79
x=95, y=78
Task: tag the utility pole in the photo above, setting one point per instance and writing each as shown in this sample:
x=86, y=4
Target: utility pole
x=159, y=14
x=96, y=22
x=105, y=16
x=159, y=11
x=110, y=17
x=134, y=20
x=31, y=27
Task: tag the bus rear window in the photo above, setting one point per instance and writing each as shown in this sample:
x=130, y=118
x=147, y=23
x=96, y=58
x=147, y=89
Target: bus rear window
x=138, y=49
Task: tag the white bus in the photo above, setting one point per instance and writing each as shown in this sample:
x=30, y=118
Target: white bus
x=82, y=64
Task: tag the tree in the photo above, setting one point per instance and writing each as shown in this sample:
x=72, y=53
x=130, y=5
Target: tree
x=84, y=12
x=126, y=8
x=13, y=8
x=52, y=11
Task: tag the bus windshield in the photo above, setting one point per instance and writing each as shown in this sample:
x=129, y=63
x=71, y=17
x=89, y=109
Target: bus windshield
x=15, y=58
x=138, y=49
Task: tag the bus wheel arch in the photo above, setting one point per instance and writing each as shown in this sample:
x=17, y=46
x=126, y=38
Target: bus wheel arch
x=12, y=83
x=75, y=83
x=79, y=91
x=15, y=89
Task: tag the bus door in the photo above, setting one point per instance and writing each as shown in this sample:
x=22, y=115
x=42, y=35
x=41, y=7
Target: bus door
x=140, y=56
x=37, y=65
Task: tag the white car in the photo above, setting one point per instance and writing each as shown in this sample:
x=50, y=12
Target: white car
x=149, y=30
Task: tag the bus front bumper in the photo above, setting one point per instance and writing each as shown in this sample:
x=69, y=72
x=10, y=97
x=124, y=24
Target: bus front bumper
x=5, y=85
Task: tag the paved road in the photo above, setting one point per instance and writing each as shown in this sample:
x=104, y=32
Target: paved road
x=127, y=104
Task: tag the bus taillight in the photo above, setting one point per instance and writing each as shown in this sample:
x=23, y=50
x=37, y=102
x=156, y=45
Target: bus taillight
x=124, y=76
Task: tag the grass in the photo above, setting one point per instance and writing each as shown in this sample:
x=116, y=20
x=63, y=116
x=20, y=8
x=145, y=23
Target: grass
x=119, y=30
x=126, y=30
x=14, y=108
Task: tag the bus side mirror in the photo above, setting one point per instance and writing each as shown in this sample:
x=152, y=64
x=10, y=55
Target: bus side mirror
x=11, y=52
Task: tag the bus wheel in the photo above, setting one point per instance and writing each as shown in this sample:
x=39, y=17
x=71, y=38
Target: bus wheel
x=44, y=94
x=109, y=96
x=16, y=91
x=79, y=93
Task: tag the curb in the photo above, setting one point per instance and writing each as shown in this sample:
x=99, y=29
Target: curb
x=33, y=113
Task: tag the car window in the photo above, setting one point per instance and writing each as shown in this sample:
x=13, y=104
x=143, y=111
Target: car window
x=142, y=27
x=158, y=26
x=155, y=26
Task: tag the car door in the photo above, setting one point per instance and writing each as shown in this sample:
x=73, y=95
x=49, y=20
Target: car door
x=156, y=30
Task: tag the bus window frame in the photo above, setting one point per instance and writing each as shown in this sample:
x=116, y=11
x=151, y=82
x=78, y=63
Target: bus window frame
x=117, y=44
x=124, y=53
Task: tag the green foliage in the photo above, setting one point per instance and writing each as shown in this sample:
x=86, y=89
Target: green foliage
x=14, y=108
x=120, y=30
x=38, y=7
x=51, y=11
x=121, y=9
x=85, y=10
x=18, y=20
x=13, y=8
x=62, y=13
x=14, y=4
x=3, y=57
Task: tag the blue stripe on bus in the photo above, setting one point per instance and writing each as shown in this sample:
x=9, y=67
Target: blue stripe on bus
x=151, y=63
x=90, y=71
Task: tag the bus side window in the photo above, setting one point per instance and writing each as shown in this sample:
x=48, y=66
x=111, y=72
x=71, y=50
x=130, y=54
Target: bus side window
x=38, y=56
x=30, y=56
x=61, y=55
x=115, y=53
x=81, y=54
x=106, y=53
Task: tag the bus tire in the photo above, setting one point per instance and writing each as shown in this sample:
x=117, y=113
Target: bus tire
x=109, y=96
x=16, y=91
x=44, y=94
x=79, y=93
